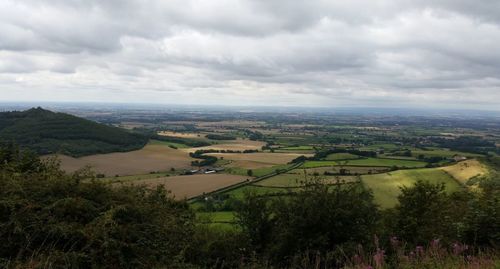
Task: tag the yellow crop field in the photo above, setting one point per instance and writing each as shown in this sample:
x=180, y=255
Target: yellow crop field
x=463, y=171
x=148, y=159
x=193, y=185
x=239, y=145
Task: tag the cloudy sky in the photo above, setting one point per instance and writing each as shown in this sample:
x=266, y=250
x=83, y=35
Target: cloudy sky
x=384, y=53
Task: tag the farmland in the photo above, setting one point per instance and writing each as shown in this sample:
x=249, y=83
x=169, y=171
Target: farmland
x=236, y=145
x=264, y=159
x=366, y=162
x=464, y=171
x=222, y=176
x=386, y=187
x=153, y=157
x=278, y=156
x=190, y=185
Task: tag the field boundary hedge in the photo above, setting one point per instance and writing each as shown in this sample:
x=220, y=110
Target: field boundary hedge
x=244, y=183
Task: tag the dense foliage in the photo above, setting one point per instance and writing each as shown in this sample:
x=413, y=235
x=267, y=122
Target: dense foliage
x=474, y=144
x=47, y=132
x=50, y=218
x=192, y=142
x=220, y=137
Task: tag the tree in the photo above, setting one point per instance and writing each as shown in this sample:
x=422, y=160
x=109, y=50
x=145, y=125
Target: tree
x=321, y=218
x=318, y=218
x=253, y=214
x=249, y=172
x=50, y=217
x=422, y=213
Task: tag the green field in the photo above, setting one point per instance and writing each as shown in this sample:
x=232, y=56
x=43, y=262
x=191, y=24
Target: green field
x=297, y=148
x=219, y=216
x=296, y=178
x=350, y=170
x=386, y=186
x=437, y=152
x=385, y=146
x=138, y=177
x=341, y=156
x=367, y=162
x=239, y=193
x=258, y=172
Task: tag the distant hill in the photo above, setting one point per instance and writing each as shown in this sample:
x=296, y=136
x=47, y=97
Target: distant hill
x=48, y=132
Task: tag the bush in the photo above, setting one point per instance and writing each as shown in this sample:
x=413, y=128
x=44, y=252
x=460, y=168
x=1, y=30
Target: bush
x=49, y=217
x=319, y=218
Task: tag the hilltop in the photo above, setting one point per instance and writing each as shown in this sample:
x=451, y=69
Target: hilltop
x=47, y=132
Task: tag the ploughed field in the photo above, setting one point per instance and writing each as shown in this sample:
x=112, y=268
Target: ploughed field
x=153, y=157
x=256, y=160
x=235, y=145
x=190, y=185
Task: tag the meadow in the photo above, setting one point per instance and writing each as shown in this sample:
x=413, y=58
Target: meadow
x=466, y=170
x=386, y=186
x=366, y=162
x=236, y=145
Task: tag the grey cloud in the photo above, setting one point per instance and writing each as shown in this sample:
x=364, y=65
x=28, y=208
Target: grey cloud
x=299, y=52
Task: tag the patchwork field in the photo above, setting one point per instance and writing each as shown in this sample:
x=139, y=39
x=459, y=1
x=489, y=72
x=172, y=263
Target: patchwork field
x=366, y=162
x=153, y=157
x=341, y=156
x=181, y=134
x=386, y=187
x=463, y=171
x=259, y=157
x=353, y=170
x=239, y=144
x=240, y=192
x=257, y=172
x=193, y=185
x=292, y=180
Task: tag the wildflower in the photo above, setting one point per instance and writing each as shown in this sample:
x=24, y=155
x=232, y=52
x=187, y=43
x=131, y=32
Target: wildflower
x=459, y=248
x=435, y=244
x=378, y=258
x=394, y=242
x=357, y=259
x=420, y=250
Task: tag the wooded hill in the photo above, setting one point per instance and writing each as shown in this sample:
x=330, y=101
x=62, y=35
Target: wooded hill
x=48, y=132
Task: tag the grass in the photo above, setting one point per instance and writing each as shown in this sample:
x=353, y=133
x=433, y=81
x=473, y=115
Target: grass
x=386, y=187
x=439, y=152
x=352, y=170
x=138, y=177
x=297, y=148
x=341, y=156
x=219, y=216
x=367, y=162
x=464, y=171
x=283, y=180
x=385, y=146
x=239, y=193
x=258, y=172
x=293, y=180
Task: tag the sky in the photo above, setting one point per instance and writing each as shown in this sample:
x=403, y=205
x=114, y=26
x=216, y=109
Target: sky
x=313, y=53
